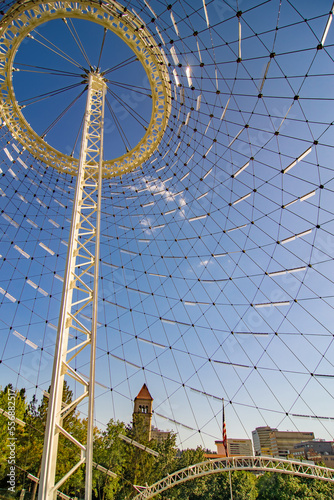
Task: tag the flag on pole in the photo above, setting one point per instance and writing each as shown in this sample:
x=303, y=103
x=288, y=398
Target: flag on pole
x=224, y=432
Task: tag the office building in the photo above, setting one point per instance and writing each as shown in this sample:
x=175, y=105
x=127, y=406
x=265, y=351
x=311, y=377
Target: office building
x=235, y=448
x=282, y=442
x=317, y=450
x=261, y=441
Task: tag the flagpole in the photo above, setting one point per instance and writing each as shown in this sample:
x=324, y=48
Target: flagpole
x=231, y=491
x=226, y=448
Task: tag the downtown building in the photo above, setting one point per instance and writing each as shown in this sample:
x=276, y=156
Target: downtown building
x=235, y=448
x=318, y=451
x=262, y=442
x=271, y=442
x=239, y=447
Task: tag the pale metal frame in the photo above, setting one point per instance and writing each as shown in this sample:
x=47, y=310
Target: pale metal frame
x=18, y=23
x=230, y=464
x=81, y=275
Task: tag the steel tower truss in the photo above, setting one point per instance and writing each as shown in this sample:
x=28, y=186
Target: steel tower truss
x=80, y=292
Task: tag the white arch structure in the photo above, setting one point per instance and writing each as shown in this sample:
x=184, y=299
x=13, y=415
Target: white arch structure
x=264, y=464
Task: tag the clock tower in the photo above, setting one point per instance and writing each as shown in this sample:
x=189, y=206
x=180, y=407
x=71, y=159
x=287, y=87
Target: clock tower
x=142, y=413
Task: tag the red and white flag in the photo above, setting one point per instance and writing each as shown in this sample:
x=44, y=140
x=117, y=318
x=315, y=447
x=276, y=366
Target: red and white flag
x=224, y=432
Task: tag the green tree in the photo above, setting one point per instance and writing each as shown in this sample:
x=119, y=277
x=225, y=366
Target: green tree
x=13, y=405
x=243, y=486
x=139, y=465
x=166, y=462
x=31, y=443
x=214, y=486
x=141, y=468
x=274, y=486
x=110, y=452
x=194, y=489
x=316, y=489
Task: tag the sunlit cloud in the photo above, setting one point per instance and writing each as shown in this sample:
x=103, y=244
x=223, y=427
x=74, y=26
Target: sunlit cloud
x=157, y=187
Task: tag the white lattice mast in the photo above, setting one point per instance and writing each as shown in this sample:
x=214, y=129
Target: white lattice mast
x=81, y=274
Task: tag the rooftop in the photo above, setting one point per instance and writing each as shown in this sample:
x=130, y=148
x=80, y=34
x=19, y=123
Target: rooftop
x=144, y=393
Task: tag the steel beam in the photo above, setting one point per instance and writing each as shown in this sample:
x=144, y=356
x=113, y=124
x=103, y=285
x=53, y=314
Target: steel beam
x=80, y=291
x=229, y=464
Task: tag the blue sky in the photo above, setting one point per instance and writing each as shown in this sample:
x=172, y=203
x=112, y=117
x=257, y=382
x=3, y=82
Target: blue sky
x=32, y=77
x=211, y=289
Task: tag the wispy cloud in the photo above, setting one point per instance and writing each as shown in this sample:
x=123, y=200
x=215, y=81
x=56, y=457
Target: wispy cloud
x=146, y=223
x=158, y=187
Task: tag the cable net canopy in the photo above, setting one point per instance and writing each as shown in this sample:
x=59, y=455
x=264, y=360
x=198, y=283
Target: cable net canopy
x=216, y=257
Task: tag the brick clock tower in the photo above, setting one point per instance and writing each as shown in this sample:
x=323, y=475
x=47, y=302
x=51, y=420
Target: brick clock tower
x=142, y=413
